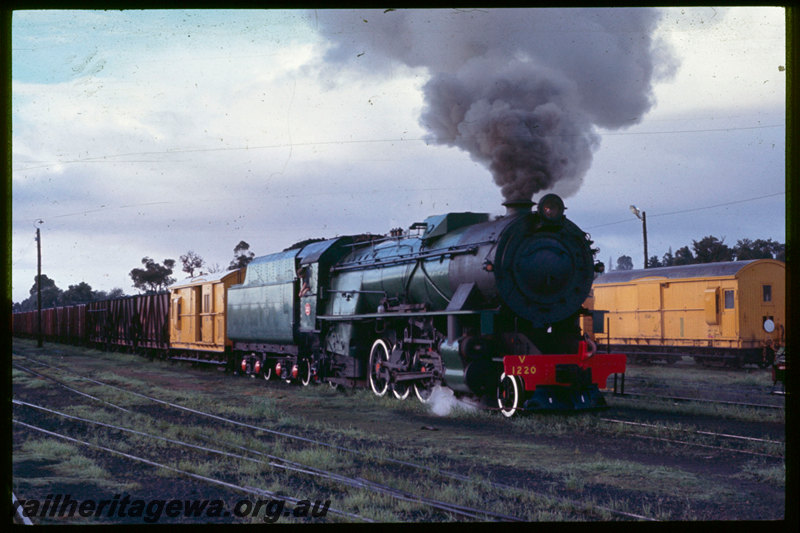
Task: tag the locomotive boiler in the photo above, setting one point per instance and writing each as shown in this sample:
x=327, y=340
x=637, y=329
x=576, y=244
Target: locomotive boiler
x=487, y=307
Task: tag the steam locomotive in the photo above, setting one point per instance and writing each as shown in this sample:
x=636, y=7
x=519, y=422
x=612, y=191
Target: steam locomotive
x=486, y=307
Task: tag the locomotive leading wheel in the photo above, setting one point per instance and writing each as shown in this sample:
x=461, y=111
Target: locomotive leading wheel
x=377, y=356
x=508, y=395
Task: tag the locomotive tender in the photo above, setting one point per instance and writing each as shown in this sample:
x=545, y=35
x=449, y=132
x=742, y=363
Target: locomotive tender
x=486, y=307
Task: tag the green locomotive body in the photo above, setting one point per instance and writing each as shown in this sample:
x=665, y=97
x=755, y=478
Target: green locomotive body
x=447, y=302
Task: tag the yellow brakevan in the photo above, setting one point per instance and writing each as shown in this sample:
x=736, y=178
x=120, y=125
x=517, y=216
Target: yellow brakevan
x=197, y=317
x=733, y=312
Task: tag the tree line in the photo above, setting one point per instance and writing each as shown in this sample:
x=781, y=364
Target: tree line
x=155, y=277
x=152, y=278
x=52, y=296
x=710, y=249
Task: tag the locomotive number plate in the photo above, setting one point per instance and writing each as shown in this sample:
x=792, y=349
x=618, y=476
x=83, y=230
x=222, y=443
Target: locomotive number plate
x=521, y=366
x=519, y=370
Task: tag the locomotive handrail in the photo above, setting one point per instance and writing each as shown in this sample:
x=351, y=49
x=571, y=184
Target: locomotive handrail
x=354, y=291
x=470, y=248
x=386, y=314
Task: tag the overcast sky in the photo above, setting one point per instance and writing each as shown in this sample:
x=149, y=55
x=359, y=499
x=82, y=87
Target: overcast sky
x=151, y=133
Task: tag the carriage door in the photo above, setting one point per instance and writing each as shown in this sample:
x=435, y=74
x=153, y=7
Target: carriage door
x=649, y=311
x=728, y=321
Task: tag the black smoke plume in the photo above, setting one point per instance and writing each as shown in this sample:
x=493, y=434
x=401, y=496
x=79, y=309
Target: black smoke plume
x=521, y=90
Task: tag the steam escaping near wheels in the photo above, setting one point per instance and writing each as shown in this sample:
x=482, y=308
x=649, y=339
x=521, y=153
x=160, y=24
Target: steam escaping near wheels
x=443, y=401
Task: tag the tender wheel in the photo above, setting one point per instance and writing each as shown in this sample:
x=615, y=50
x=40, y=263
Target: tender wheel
x=508, y=395
x=377, y=356
x=422, y=390
x=266, y=372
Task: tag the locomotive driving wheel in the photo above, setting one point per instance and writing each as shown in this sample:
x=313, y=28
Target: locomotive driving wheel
x=509, y=394
x=422, y=389
x=402, y=389
x=377, y=357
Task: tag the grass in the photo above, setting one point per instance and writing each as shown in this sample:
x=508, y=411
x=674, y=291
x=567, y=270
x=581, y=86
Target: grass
x=45, y=449
x=60, y=463
x=29, y=380
x=759, y=471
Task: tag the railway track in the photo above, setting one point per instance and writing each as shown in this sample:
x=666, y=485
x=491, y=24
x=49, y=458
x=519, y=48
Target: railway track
x=711, y=434
x=250, y=491
x=274, y=462
x=464, y=512
x=748, y=390
x=671, y=440
x=646, y=396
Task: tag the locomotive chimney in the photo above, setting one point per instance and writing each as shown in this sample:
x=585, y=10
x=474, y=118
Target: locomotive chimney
x=517, y=207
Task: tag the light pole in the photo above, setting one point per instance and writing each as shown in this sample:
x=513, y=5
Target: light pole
x=643, y=218
x=39, y=341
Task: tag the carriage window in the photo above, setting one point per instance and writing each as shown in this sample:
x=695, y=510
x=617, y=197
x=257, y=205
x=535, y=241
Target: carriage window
x=767, y=293
x=728, y=299
x=177, y=308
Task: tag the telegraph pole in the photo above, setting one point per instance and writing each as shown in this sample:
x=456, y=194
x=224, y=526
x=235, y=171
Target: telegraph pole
x=641, y=215
x=644, y=236
x=39, y=341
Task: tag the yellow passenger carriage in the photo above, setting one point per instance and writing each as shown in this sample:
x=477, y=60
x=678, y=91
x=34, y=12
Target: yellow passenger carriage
x=731, y=312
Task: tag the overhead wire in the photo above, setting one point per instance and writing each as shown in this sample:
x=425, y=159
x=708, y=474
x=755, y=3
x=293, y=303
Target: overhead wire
x=690, y=210
x=113, y=158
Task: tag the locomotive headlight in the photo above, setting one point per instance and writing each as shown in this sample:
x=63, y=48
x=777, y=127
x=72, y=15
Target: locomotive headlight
x=551, y=208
